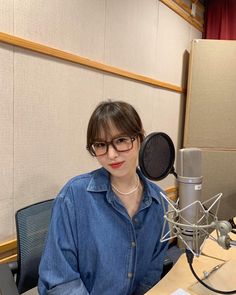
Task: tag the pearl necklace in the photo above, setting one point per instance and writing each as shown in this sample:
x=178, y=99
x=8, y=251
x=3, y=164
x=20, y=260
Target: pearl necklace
x=132, y=190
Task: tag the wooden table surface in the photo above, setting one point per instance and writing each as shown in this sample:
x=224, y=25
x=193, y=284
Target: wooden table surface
x=180, y=276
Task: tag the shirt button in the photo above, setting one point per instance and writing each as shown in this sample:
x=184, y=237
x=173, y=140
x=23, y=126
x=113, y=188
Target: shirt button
x=133, y=244
x=136, y=220
x=130, y=274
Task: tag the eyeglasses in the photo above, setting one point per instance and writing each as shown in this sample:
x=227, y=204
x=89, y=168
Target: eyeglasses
x=120, y=144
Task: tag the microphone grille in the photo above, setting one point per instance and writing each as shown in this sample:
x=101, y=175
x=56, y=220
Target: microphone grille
x=189, y=163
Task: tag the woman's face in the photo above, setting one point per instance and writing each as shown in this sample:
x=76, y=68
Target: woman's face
x=119, y=164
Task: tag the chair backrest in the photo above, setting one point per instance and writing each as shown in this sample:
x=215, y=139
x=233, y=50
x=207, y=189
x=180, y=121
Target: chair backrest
x=31, y=227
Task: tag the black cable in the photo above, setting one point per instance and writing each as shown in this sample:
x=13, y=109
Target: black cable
x=172, y=171
x=190, y=256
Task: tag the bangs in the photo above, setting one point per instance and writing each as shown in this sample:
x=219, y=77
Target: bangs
x=113, y=115
x=105, y=128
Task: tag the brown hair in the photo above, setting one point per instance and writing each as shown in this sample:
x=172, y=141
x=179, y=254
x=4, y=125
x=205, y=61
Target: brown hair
x=120, y=113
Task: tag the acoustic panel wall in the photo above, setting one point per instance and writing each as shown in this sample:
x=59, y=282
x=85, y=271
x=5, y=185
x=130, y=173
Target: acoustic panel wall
x=211, y=100
x=46, y=102
x=210, y=121
x=219, y=176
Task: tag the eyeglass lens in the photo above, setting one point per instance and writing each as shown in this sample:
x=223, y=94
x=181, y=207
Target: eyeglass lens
x=120, y=144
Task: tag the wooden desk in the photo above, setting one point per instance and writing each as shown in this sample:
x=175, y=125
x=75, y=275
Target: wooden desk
x=7, y=283
x=180, y=276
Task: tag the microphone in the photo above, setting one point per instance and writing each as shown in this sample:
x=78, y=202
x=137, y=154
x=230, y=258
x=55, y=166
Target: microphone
x=192, y=220
x=189, y=177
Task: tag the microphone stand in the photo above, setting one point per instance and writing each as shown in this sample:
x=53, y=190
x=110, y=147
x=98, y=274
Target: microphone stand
x=225, y=242
x=223, y=228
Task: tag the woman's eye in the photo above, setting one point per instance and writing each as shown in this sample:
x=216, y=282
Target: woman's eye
x=98, y=145
x=121, y=140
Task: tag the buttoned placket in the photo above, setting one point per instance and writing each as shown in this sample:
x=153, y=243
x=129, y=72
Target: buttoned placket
x=134, y=225
x=133, y=256
x=132, y=261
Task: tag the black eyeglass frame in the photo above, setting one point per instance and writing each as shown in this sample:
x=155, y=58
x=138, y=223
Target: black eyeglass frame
x=108, y=143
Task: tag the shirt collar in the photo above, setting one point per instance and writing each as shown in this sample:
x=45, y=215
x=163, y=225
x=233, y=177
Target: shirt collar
x=149, y=191
x=100, y=182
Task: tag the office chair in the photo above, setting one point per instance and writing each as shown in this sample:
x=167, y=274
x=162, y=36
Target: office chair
x=31, y=228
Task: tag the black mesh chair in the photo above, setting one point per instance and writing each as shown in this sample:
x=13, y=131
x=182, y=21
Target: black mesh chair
x=31, y=227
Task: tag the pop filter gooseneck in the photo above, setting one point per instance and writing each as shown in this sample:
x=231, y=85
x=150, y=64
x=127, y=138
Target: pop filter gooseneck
x=157, y=156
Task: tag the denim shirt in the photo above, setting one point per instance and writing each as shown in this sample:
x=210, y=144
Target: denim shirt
x=94, y=247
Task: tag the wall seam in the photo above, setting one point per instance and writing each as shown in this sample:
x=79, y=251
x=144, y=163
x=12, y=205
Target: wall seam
x=104, y=47
x=13, y=122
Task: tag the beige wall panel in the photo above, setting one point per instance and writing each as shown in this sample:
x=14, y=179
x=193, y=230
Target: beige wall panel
x=7, y=219
x=6, y=124
x=6, y=121
x=174, y=37
x=74, y=26
x=167, y=117
x=6, y=16
x=53, y=102
x=194, y=34
x=219, y=174
x=130, y=36
x=6, y=141
x=166, y=114
x=211, y=105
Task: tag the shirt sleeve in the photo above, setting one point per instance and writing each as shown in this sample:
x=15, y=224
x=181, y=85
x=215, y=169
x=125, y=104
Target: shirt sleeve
x=59, y=270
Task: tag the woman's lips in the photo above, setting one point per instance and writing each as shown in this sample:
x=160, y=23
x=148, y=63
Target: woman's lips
x=116, y=165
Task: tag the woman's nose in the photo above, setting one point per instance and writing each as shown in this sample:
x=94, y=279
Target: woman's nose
x=112, y=153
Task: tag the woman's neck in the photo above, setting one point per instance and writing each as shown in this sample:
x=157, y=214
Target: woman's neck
x=130, y=195
x=125, y=183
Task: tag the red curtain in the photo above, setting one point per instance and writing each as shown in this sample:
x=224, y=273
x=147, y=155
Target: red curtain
x=220, y=19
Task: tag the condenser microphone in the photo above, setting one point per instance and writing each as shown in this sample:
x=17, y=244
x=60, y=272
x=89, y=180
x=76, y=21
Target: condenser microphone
x=190, y=219
x=189, y=177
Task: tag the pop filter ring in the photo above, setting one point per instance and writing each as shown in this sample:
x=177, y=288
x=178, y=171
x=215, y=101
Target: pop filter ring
x=169, y=165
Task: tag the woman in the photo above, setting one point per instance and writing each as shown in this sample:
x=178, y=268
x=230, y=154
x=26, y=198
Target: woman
x=104, y=236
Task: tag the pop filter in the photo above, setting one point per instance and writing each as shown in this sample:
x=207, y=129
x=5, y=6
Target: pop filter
x=157, y=156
